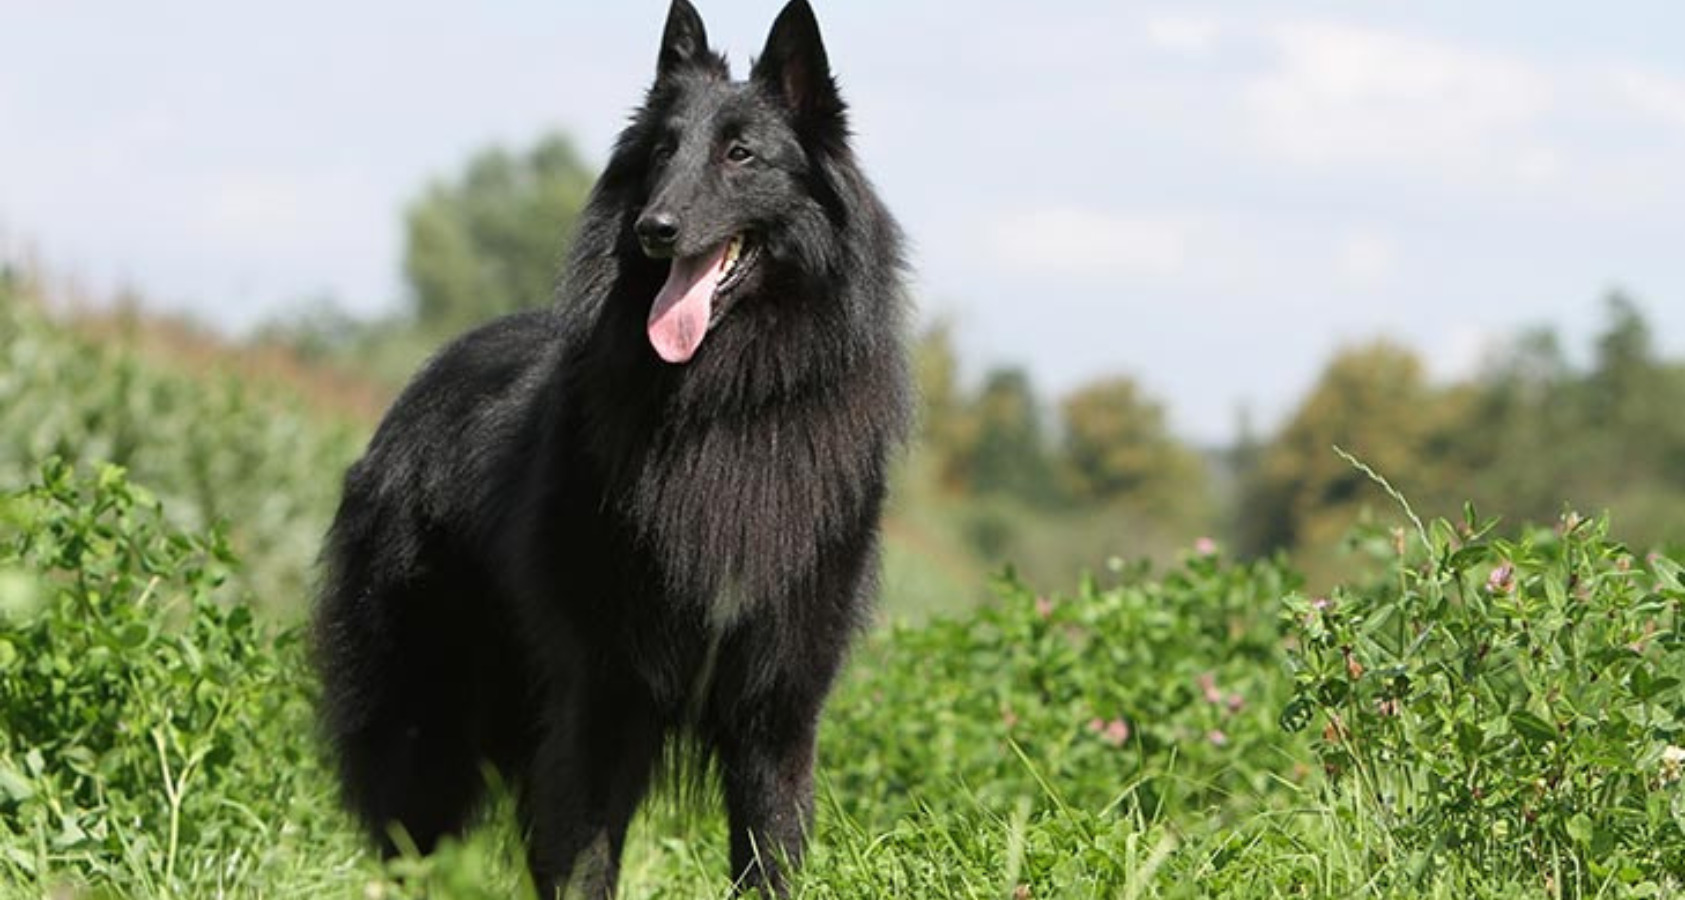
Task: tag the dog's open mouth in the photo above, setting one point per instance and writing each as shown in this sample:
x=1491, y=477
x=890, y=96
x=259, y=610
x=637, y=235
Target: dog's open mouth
x=696, y=296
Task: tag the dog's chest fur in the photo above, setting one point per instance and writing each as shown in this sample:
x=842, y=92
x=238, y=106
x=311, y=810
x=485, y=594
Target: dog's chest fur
x=740, y=514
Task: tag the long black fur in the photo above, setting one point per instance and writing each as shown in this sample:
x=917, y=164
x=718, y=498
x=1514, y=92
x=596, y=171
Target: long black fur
x=559, y=553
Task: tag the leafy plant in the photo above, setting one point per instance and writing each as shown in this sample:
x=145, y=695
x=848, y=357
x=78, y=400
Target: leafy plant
x=214, y=449
x=139, y=715
x=1127, y=702
x=1509, y=704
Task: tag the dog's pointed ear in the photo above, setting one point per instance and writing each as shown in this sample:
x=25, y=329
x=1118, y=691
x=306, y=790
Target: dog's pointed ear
x=683, y=42
x=793, y=64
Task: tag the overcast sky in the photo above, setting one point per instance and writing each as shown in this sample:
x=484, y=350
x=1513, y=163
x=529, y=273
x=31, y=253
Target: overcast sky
x=1210, y=197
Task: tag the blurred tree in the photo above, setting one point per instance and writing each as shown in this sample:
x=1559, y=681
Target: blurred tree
x=947, y=427
x=1527, y=399
x=1529, y=437
x=1536, y=437
x=1118, y=448
x=1375, y=402
x=1008, y=454
x=1634, y=429
x=493, y=241
x=1623, y=378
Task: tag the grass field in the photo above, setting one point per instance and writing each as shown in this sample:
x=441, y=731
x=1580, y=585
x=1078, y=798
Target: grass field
x=1497, y=712
x=1500, y=720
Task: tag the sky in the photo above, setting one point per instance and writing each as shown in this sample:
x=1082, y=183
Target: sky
x=1211, y=198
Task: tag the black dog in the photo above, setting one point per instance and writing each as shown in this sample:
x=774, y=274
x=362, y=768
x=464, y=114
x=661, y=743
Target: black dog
x=648, y=518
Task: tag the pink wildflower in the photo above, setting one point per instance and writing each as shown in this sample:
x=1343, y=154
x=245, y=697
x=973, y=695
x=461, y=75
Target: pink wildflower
x=1205, y=546
x=1217, y=737
x=1044, y=607
x=1502, y=579
x=1115, y=732
x=1208, y=687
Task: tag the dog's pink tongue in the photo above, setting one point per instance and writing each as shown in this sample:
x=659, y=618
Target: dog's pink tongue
x=679, y=318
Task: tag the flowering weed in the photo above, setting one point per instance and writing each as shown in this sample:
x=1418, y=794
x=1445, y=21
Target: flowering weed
x=1504, y=704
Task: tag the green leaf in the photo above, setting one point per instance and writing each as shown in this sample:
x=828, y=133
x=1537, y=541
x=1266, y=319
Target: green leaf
x=1531, y=727
x=20, y=596
x=134, y=636
x=1469, y=738
x=13, y=785
x=1672, y=574
x=1468, y=556
x=1297, y=714
x=1333, y=691
x=1579, y=828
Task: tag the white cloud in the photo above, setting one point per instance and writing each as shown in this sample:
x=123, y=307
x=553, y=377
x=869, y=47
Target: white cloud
x=259, y=206
x=1654, y=95
x=1076, y=241
x=1182, y=34
x=1540, y=165
x=1366, y=258
x=1347, y=94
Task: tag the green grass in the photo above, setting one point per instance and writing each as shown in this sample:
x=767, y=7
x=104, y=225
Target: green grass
x=1203, y=730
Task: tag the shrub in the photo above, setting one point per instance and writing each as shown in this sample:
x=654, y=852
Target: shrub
x=138, y=711
x=1508, y=704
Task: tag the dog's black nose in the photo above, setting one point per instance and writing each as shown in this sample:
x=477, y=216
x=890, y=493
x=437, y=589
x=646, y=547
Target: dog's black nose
x=658, y=232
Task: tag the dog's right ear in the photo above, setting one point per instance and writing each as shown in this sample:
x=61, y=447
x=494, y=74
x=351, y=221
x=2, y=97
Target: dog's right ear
x=683, y=42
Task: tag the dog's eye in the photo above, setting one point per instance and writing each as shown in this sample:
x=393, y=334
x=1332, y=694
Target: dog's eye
x=663, y=152
x=739, y=153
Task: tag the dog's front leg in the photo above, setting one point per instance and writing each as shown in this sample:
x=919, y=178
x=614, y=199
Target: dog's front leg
x=768, y=770
x=587, y=779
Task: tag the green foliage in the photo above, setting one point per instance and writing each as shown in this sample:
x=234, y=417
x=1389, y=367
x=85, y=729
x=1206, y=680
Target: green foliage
x=1508, y=718
x=1118, y=485
x=493, y=242
x=1374, y=399
x=1118, y=449
x=1146, y=694
x=946, y=427
x=149, y=735
x=1512, y=704
x=1531, y=435
x=1008, y=453
x=1535, y=436
x=214, y=448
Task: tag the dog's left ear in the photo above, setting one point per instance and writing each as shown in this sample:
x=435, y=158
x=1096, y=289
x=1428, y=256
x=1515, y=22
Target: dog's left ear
x=793, y=65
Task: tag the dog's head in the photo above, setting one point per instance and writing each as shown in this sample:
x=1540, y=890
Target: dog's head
x=731, y=170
